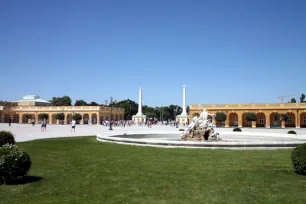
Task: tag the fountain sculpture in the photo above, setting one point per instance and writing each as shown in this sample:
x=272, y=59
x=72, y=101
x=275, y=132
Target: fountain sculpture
x=201, y=128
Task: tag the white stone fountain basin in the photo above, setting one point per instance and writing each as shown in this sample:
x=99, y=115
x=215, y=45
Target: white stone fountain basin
x=230, y=140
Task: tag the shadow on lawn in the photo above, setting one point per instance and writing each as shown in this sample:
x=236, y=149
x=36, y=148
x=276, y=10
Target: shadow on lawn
x=25, y=180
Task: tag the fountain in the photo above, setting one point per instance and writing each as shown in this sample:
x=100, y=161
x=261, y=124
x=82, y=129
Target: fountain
x=201, y=129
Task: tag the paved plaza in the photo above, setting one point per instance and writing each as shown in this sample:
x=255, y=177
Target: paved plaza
x=27, y=132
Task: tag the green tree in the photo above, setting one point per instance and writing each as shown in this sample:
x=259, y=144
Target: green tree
x=60, y=116
x=293, y=100
x=166, y=114
x=250, y=116
x=77, y=117
x=42, y=116
x=61, y=101
x=302, y=98
x=130, y=107
x=220, y=116
x=80, y=103
x=93, y=103
x=150, y=115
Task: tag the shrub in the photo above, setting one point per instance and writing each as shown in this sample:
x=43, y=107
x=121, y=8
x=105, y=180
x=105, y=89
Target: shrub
x=14, y=164
x=77, y=116
x=250, y=116
x=237, y=130
x=6, y=137
x=220, y=116
x=42, y=116
x=298, y=158
x=181, y=129
x=60, y=116
x=291, y=132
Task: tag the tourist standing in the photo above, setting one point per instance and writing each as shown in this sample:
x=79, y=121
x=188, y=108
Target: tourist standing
x=10, y=121
x=43, y=125
x=73, y=123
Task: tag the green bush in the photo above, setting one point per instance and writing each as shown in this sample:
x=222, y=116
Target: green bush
x=14, y=163
x=181, y=129
x=77, y=117
x=220, y=116
x=237, y=130
x=251, y=116
x=42, y=116
x=291, y=132
x=298, y=158
x=6, y=137
x=60, y=116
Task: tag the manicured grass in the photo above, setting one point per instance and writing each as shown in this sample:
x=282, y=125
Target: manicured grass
x=82, y=170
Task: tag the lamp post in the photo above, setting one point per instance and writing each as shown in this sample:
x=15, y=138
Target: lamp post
x=110, y=104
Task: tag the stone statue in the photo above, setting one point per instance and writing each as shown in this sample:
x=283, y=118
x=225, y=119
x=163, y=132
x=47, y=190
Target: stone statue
x=201, y=128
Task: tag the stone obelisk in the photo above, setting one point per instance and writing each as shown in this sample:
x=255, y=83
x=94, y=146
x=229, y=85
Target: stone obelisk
x=184, y=112
x=140, y=102
x=183, y=117
x=139, y=117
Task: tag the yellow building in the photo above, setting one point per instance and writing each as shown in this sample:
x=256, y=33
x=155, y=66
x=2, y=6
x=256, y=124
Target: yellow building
x=268, y=115
x=29, y=107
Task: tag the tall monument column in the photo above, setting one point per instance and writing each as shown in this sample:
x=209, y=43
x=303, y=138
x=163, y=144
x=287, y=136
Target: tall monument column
x=183, y=117
x=139, y=117
x=140, y=102
x=184, y=112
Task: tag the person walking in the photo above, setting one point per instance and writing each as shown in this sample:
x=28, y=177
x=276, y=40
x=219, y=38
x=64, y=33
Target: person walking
x=43, y=125
x=73, y=123
x=10, y=122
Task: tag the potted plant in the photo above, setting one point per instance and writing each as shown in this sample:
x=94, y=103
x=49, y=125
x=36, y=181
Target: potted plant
x=220, y=117
x=251, y=117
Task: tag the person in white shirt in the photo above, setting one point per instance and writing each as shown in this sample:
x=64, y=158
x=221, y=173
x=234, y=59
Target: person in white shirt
x=73, y=123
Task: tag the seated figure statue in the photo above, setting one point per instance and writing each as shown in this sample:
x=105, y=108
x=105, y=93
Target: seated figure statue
x=201, y=121
x=201, y=126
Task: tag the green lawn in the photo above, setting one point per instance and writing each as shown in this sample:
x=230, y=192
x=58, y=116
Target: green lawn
x=82, y=170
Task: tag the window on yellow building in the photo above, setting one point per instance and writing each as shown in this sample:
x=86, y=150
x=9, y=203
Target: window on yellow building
x=289, y=121
x=261, y=120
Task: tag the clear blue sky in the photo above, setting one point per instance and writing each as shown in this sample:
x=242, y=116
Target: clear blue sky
x=230, y=51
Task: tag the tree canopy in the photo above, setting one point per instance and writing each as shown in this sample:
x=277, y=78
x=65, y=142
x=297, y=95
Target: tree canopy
x=61, y=101
x=250, y=116
x=302, y=98
x=77, y=116
x=220, y=116
x=60, y=116
x=80, y=103
x=293, y=100
x=42, y=116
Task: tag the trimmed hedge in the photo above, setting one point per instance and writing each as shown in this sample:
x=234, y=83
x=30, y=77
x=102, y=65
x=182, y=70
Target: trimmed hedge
x=237, y=130
x=251, y=116
x=181, y=129
x=298, y=158
x=14, y=163
x=6, y=137
x=291, y=132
